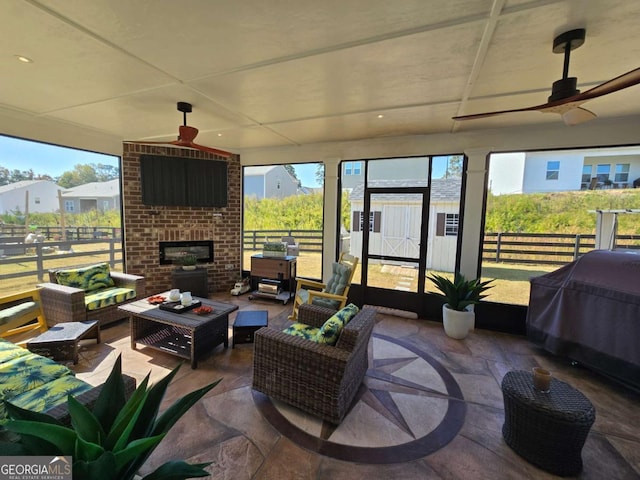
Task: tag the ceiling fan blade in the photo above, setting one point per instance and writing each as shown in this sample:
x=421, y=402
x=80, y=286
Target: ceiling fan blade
x=145, y=142
x=215, y=151
x=500, y=112
x=625, y=80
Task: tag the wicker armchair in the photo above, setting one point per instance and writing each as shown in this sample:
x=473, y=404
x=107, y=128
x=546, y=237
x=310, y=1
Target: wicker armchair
x=67, y=304
x=320, y=379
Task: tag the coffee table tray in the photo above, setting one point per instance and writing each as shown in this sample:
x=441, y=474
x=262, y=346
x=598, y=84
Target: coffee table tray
x=177, y=307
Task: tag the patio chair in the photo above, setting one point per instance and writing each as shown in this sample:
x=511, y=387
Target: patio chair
x=320, y=379
x=21, y=313
x=332, y=294
x=293, y=249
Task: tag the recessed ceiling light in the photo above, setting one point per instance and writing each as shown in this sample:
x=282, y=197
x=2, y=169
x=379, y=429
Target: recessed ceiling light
x=380, y=115
x=219, y=134
x=23, y=59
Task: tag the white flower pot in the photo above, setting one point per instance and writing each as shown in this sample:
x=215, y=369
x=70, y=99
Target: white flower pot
x=457, y=324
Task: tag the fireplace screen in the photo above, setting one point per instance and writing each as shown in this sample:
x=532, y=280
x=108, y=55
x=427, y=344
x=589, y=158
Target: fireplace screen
x=171, y=251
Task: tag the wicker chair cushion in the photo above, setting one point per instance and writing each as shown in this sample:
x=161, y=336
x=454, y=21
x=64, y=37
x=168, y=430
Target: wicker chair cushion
x=108, y=297
x=51, y=394
x=19, y=374
x=89, y=278
x=302, y=330
x=12, y=313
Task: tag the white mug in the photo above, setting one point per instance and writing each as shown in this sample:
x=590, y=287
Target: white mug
x=174, y=294
x=186, y=299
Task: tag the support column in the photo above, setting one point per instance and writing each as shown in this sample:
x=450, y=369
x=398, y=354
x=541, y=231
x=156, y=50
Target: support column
x=331, y=198
x=473, y=207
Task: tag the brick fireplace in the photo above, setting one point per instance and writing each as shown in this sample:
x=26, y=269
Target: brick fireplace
x=146, y=226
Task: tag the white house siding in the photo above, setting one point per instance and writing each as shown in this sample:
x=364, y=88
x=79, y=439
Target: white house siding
x=441, y=252
x=535, y=172
x=43, y=196
x=506, y=173
x=269, y=182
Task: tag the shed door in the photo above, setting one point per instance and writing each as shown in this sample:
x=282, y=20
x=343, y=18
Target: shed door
x=394, y=250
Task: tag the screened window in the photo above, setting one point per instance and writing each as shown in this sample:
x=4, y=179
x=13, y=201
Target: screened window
x=622, y=172
x=374, y=221
x=451, y=224
x=352, y=168
x=603, y=171
x=553, y=170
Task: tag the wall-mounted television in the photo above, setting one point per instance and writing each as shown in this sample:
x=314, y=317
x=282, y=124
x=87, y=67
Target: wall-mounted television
x=183, y=182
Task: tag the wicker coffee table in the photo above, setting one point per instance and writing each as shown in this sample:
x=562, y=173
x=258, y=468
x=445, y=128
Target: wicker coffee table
x=546, y=429
x=186, y=335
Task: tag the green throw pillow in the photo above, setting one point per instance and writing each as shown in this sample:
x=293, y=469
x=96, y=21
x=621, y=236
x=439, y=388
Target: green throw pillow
x=88, y=279
x=330, y=331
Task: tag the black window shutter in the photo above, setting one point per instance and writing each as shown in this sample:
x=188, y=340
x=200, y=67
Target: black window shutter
x=355, y=222
x=440, y=225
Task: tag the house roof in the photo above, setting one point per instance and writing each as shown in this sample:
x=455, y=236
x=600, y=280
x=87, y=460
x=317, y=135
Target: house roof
x=110, y=188
x=442, y=190
x=22, y=184
x=267, y=74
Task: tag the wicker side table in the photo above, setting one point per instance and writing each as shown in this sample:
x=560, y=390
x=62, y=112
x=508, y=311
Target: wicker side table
x=546, y=429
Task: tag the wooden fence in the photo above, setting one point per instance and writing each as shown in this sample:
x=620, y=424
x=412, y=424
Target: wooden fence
x=544, y=248
x=308, y=240
x=55, y=232
x=39, y=255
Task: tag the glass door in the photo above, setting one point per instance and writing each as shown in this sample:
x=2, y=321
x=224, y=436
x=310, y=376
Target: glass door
x=394, y=232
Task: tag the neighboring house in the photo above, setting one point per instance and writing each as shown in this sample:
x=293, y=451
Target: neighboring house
x=271, y=181
x=43, y=196
x=394, y=228
x=568, y=170
x=100, y=196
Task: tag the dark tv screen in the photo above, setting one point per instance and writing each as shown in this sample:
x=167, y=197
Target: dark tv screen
x=188, y=182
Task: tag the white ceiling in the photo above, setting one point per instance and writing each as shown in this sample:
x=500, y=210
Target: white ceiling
x=264, y=73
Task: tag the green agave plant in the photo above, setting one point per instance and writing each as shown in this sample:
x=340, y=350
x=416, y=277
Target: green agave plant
x=460, y=293
x=115, y=438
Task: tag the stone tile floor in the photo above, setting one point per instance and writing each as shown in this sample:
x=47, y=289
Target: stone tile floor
x=229, y=429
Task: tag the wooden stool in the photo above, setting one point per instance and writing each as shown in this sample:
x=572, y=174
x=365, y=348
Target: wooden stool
x=60, y=342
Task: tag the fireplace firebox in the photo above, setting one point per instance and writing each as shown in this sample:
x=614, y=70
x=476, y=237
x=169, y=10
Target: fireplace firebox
x=170, y=252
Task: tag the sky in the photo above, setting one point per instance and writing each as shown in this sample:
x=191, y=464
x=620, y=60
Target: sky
x=306, y=173
x=42, y=158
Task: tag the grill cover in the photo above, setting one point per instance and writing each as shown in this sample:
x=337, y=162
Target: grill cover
x=589, y=311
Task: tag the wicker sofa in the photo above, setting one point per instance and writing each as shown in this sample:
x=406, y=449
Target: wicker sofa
x=38, y=383
x=320, y=379
x=65, y=303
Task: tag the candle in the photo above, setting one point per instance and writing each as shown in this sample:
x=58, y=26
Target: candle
x=541, y=379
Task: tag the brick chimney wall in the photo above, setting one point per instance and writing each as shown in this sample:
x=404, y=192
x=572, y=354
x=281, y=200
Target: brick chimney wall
x=145, y=226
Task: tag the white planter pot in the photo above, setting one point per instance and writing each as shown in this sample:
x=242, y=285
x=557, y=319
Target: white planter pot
x=457, y=324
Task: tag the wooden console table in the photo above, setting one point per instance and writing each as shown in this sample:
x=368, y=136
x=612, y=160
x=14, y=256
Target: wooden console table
x=282, y=270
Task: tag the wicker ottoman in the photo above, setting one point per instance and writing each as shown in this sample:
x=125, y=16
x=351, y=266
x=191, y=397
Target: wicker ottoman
x=546, y=429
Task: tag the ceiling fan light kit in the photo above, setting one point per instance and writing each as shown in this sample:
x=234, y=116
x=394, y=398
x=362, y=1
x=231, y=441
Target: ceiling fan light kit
x=565, y=98
x=187, y=135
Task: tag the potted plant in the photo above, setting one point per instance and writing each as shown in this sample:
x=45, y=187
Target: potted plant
x=274, y=249
x=188, y=261
x=460, y=294
x=113, y=439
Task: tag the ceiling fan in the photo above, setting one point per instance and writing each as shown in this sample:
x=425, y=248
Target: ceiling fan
x=187, y=134
x=565, y=98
